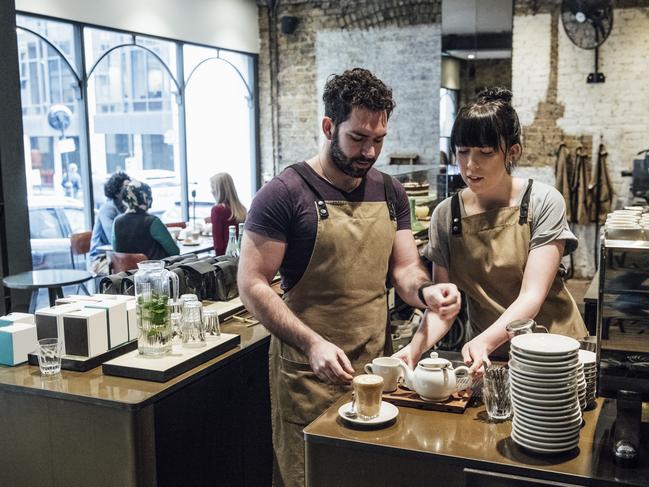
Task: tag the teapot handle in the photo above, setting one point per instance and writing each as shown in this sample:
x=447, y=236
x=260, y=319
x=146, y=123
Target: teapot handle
x=464, y=381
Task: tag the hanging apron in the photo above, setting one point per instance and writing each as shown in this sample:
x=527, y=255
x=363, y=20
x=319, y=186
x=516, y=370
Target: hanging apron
x=342, y=296
x=488, y=254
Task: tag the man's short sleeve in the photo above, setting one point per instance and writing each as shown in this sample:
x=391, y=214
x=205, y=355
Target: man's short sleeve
x=437, y=249
x=549, y=218
x=270, y=211
x=402, y=206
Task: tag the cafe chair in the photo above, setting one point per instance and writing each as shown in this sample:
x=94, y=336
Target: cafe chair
x=80, y=245
x=123, y=261
x=176, y=224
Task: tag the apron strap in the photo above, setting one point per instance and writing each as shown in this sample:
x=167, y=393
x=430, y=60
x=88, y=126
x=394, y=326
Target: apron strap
x=320, y=202
x=525, y=204
x=456, y=215
x=390, y=195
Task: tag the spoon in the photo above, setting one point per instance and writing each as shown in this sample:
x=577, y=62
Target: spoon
x=351, y=412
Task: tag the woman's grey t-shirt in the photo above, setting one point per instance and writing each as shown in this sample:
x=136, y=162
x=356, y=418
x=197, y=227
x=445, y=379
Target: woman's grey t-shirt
x=547, y=217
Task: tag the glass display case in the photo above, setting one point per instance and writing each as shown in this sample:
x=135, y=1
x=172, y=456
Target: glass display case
x=623, y=316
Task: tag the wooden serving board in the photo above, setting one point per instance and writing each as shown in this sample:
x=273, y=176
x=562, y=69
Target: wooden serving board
x=457, y=403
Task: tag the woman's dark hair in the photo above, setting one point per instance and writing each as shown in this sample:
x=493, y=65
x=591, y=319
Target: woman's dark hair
x=355, y=88
x=490, y=121
x=114, y=185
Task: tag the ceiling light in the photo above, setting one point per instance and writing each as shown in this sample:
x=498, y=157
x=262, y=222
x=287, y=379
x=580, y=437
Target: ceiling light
x=471, y=56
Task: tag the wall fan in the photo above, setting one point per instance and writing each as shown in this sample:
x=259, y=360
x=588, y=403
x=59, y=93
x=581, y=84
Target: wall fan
x=587, y=24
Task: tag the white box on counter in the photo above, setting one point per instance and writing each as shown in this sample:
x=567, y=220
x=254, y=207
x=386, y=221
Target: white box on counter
x=86, y=332
x=131, y=315
x=49, y=321
x=16, y=341
x=116, y=319
x=13, y=318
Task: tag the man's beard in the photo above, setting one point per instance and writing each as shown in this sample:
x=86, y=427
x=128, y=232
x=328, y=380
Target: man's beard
x=344, y=163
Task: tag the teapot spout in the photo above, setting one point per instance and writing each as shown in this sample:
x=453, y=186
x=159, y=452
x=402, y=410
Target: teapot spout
x=408, y=375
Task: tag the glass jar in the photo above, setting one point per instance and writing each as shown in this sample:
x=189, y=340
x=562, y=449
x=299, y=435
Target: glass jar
x=154, y=286
x=522, y=327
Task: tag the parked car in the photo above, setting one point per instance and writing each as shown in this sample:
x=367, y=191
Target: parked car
x=51, y=220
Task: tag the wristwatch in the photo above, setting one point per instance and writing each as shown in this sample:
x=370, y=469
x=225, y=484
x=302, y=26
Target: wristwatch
x=420, y=292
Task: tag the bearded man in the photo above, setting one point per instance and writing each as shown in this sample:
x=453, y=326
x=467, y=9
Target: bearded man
x=336, y=229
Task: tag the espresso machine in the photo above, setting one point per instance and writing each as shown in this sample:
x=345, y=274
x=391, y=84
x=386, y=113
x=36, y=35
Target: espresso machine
x=623, y=340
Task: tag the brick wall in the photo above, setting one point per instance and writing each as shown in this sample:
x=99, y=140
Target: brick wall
x=400, y=40
x=555, y=104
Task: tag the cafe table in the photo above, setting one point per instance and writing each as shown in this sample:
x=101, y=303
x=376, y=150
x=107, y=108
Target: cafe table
x=52, y=279
x=204, y=244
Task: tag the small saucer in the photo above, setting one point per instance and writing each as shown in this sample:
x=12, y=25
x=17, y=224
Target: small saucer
x=190, y=243
x=388, y=413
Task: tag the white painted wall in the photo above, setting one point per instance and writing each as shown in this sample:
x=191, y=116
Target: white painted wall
x=230, y=24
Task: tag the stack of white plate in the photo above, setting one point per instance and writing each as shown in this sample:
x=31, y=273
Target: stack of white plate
x=589, y=361
x=543, y=371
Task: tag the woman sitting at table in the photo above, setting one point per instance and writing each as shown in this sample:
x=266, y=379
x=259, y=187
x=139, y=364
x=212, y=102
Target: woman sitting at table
x=137, y=231
x=227, y=211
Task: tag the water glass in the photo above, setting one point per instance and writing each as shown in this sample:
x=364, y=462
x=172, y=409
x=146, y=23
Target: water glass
x=193, y=333
x=495, y=393
x=212, y=324
x=49, y=355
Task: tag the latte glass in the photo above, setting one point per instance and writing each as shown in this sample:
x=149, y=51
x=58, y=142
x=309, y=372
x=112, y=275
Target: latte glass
x=368, y=389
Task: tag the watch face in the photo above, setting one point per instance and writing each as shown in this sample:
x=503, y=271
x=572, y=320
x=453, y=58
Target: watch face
x=587, y=24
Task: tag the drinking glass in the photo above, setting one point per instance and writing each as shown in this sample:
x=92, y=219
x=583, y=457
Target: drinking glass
x=522, y=327
x=193, y=333
x=49, y=355
x=212, y=324
x=495, y=392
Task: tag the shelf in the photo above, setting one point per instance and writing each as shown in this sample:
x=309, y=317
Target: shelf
x=403, y=169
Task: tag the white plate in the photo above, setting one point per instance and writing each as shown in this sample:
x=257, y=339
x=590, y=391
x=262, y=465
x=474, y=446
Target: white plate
x=535, y=369
x=587, y=358
x=535, y=438
x=550, y=423
x=559, y=436
x=538, y=383
x=532, y=446
x=545, y=394
x=544, y=365
x=544, y=344
x=388, y=413
x=544, y=359
x=535, y=372
x=554, y=404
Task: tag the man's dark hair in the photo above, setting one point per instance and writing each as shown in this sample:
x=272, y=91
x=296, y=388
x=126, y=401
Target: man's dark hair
x=355, y=88
x=114, y=185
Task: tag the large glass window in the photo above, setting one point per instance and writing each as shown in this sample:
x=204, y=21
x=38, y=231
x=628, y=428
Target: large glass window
x=131, y=120
x=218, y=110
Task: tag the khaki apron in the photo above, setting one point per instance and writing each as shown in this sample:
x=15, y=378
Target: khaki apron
x=342, y=296
x=488, y=256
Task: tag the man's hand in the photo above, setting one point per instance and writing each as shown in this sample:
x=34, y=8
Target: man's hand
x=476, y=356
x=406, y=354
x=329, y=363
x=443, y=299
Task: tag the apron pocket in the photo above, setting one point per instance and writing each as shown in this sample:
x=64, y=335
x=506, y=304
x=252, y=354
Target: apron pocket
x=302, y=397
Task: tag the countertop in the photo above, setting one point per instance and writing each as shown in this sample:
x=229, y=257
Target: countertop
x=471, y=441
x=95, y=387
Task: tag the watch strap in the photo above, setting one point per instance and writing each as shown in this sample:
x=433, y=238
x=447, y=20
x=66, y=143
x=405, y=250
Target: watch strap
x=420, y=292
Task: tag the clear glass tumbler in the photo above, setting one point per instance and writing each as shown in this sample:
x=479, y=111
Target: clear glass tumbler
x=495, y=393
x=193, y=332
x=49, y=355
x=212, y=323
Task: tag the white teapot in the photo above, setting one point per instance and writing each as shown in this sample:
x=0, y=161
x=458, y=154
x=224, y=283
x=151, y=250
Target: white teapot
x=434, y=378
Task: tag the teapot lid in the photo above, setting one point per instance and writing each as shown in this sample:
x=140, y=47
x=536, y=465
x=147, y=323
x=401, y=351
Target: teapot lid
x=434, y=362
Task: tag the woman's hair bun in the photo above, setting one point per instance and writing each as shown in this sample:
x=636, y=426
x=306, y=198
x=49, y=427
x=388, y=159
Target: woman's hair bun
x=494, y=94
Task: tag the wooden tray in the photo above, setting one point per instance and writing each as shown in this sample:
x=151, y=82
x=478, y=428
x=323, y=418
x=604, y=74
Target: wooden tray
x=457, y=403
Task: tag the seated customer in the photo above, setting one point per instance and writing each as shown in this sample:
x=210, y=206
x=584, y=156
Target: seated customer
x=227, y=211
x=136, y=231
x=102, y=232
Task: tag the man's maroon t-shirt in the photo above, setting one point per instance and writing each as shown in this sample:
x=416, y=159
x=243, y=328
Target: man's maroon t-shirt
x=284, y=210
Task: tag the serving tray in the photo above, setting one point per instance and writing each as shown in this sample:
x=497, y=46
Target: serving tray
x=457, y=403
x=83, y=364
x=161, y=369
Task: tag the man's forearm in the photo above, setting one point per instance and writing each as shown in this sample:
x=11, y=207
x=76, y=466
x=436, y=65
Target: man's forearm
x=407, y=282
x=272, y=312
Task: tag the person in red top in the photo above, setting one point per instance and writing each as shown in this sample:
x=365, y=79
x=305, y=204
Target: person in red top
x=227, y=211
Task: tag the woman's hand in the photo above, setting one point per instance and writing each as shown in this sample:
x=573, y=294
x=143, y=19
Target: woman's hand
x=406, y=354
x=476, y=356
